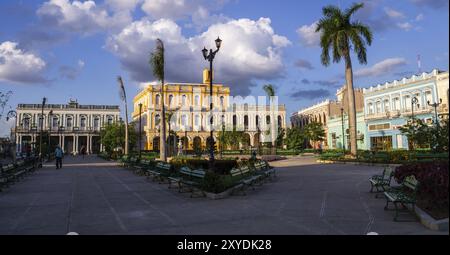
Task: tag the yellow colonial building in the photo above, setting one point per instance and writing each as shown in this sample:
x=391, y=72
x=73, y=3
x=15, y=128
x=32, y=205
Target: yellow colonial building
x=187, y=107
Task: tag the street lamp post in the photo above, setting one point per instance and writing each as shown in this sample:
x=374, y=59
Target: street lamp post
x=44, y=100
x=140, y=130
x=436, y=120
x=343, y=131
x=414, y=101
x=223, y=138
x=49, y=133
x=210, y=57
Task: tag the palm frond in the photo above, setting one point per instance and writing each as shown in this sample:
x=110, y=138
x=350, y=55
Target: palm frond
x=157, y=60
x=122, y=93
x=269, y=89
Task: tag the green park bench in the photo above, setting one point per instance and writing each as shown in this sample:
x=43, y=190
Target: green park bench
x=381, y=183
x=403, y=195
x=192, y=179
x=124, y=160
x=248, y=180
x=159, y=172
x=142, y=167
x=267, y=171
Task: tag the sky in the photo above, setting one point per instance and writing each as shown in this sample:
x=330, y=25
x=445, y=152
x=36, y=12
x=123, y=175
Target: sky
x=65, y=49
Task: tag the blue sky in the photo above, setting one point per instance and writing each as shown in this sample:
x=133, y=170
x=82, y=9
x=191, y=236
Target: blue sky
x=65, y=49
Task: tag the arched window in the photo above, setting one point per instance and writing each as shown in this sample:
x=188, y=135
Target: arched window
x=83, y=122
x=110, y=120
x=386, y=105
x=184, y=100
x=26, y=122
x=267, y=119
x=170, y=100
x=257, y=120
x=197, y=120
x=69, y=121
x=184, y=120
x=157, y=119
x=378, y=106
x=96, y=122
x=246, y=121
x=280, y=121
x=222, y=101
x=55, y=122
x=157, y=98
x=197, y=100
x=234, y=121
x=428, y=97
x=370, y=108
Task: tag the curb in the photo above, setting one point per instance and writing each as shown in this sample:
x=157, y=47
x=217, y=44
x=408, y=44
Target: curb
x=430, y=222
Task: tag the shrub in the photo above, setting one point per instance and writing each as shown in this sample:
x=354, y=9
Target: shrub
x=222, y=166
x=433, y=183
x=217, y=183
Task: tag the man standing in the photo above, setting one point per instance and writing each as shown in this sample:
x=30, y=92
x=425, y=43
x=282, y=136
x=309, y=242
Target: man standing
x=58, y=156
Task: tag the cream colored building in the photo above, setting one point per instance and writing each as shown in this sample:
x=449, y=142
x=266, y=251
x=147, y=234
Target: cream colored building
x=189, y=103
x=70, y=125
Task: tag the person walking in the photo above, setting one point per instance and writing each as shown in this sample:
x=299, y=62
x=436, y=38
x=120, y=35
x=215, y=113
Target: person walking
x=58, y=155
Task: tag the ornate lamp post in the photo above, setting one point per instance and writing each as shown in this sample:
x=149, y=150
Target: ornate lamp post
x=210, y=57
x=436, y=120
x=414, y=101
x=49, y=133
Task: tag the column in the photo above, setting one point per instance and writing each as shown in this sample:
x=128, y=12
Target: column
x=62, y=143
x=73, y=144
x=76, y=144
x=88, y=145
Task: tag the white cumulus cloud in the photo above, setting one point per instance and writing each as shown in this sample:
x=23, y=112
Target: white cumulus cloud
x=19, y=66
x=393, y=13
x=308, y=35
x=250, y=50
x=84, y=17
x=384, y=67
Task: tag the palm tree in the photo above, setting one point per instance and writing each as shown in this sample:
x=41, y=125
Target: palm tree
x=123, y=96
x=270, y=91
x=157, y=64
x=340, y=34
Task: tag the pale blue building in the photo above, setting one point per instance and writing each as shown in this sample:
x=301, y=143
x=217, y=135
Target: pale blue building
x=389, y=106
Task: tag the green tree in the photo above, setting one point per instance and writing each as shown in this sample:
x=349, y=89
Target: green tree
x=113, y=137
x=295, y=139
x=314, y=132
x=280, y=137
x=231, y=139
x=270, y=92
x=340, y=34
x=157, y=64
x=418, y=132
x=4, y=98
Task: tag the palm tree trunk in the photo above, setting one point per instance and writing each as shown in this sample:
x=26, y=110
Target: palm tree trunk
x=351, y=104
x=162, y=146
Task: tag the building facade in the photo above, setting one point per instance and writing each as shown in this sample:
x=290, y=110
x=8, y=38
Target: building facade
x=326, y=110
x=391, y=105
x=187, y=106
x=71, y=125
x=338, y=125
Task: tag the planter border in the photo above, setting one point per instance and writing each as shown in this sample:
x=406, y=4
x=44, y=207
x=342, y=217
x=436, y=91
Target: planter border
x=222, y=195
x=430, y=222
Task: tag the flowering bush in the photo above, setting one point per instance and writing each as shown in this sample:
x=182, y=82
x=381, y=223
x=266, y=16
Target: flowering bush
x=433, y=183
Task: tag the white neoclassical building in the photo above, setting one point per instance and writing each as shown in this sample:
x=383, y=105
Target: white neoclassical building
x=70, y=125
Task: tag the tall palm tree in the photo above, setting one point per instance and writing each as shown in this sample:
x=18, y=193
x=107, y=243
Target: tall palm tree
x=270, y=92
x=157, y=64
x=342, y=35
x=123, y=96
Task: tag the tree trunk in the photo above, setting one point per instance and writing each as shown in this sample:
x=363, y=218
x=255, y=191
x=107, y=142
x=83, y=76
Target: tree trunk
x=162, y=143
x=351, y=104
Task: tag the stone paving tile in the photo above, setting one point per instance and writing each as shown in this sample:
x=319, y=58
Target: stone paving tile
x=91, y=196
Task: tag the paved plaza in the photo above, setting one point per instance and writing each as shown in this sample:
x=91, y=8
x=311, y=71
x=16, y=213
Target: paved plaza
x=93, y=196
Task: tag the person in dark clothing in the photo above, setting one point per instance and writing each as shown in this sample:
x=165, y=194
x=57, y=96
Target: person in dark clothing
x=58, y=155
x=83, y=151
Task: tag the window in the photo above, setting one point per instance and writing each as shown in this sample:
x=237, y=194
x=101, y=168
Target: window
x=429, y=97
x=197, y=100
x=83, y=122
x=396, y=104
x=280, y=121
x=378, y=106
x=267, y=119
x=55, y=122
x=96, y=123
x=110, y=120
x=382, y=143
x=170, y=100
x=26, y=122
x=246, y=122
x=157, y=119
x=407, y=102
x=157, y=98
x=184, y=120
x=257, y=121
x=386, y=105
x=197, y=120
x=221, y=101
x=370, y=108
x=234, y=121
x=184, y=100
x=69, y=122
